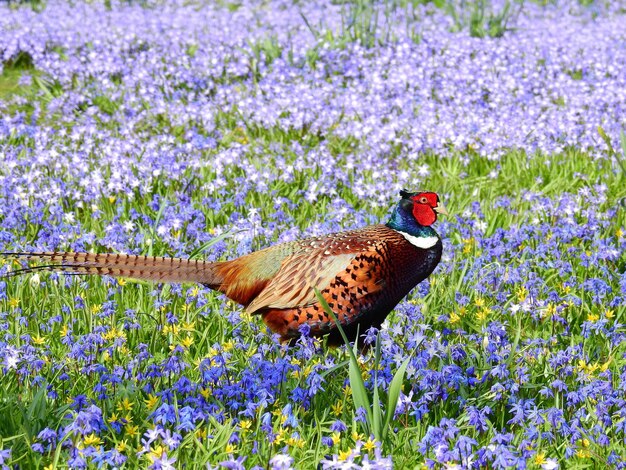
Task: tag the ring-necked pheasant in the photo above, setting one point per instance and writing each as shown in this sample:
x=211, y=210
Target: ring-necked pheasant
x=362, y=273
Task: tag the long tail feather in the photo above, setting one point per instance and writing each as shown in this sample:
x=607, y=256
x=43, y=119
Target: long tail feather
x=136, y=267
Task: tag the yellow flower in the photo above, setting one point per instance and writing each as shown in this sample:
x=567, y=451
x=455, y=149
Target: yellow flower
x=201, y=433
x=280, y=437
x=245, y=425
x=229, y=345
x=195, y=291
x=479, y=302
x=121, y=281
x=113, y=418
x=306, y=370
x=583, y=453
x=345, y=454
x=151, y=401
x=96, y=308
x=187, y=342
x=336, y=437
x=132, y=431
x=483, y=313
x=14, y=302
x=38, y=340
x=619, y=233
x=337, y=408
x=593, y=317
x=467, y=245
x=295, y=442
x=121, y=446
x=125, y=405
x=521, y=294
x=370, y=444
x=230, y=449
x=356, y=436
x=540, y=458
x=92, y=440
x=156, y=453
x=64, y=331
x=609, y=314
x=454, y=318
x=205, y=392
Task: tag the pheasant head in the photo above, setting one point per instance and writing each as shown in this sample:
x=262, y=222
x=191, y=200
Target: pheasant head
x=416, y=212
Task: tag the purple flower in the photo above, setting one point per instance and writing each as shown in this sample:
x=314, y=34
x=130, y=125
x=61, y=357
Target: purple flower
x=163, y=463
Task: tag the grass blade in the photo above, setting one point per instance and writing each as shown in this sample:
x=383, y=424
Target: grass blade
x=392, y=399
x=359, y=392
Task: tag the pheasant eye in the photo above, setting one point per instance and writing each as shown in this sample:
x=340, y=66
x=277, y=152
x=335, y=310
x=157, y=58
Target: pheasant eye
x=423, y=200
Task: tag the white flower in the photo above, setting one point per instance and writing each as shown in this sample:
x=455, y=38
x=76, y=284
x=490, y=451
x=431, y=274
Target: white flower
x=12, y=357
x=35, y=280
x=551, y=464
x=481, y=225
x=281, y=462
x=423, y=170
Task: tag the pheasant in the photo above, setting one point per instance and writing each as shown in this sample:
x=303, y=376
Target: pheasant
x=362, y=274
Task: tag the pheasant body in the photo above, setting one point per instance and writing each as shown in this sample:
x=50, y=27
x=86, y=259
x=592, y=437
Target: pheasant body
x=362, y=274
x=384, y=269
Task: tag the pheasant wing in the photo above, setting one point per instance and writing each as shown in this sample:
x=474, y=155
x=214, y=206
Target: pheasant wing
x=349, y=267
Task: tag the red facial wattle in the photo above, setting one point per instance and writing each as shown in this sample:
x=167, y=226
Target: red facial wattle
x=423, y=208
x=424, y=214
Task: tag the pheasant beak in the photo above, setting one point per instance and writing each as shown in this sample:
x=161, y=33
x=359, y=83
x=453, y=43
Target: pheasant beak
x=440, y=209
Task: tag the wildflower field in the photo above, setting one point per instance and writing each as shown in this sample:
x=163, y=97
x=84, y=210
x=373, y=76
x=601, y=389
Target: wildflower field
x=208, y=129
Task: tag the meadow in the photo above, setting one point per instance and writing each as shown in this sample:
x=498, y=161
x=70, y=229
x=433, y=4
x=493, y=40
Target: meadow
x=211, y=129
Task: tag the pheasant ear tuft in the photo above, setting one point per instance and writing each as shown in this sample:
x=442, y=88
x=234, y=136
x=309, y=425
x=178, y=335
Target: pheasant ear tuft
x=406, y=194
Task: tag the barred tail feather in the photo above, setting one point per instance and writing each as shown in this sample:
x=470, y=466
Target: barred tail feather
x=131, y=266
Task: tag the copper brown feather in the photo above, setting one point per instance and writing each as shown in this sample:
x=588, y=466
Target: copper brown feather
x=362, y=274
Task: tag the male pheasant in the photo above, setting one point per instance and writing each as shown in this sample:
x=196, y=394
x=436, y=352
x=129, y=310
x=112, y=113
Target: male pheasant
x=362, y=274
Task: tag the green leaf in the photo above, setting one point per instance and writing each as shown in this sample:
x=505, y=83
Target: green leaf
x=394, y=393
x=377, y=413
x=210, y=243
x=359, y=392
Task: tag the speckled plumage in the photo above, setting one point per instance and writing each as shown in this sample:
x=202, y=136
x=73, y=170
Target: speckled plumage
x=362, y=274
x=380, y=268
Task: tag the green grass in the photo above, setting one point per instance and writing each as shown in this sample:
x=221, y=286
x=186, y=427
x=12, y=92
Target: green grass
x=23, y=415
x=121, y=317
